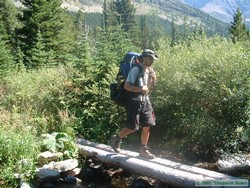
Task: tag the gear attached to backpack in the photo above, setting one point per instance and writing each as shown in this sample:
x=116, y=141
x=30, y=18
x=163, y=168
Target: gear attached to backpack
x=117, y=92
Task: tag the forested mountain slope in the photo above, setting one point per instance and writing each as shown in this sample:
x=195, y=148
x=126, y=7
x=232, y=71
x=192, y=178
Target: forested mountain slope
x=168, y=10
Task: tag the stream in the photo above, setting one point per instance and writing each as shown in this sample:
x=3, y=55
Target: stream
x=234, y=165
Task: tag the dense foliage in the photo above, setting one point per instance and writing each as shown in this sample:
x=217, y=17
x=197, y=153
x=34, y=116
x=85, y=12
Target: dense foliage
x=46, y=29
x=18, y=149
x=55, y=77
x=203, y=96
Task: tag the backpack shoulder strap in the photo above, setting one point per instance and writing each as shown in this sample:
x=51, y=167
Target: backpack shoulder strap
x=141, y=70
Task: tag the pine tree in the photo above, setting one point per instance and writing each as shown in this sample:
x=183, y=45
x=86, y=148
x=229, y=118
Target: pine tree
x=144, y=32
x=119, y=12
x=8, y=24
x=82, y=53
x=19, y=56
x=125, y=14
x=38, y=55
x=110, y=49
x=238, y=27
x=79, y=23
x=155, y=32
x=55, y=26
x=8, y=20
x=6, y=59
x=174, y=33
x=109, y=14
x=105, y=14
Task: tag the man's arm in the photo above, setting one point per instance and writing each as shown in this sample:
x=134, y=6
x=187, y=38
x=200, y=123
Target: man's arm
x=130, y=87
x=129, y=83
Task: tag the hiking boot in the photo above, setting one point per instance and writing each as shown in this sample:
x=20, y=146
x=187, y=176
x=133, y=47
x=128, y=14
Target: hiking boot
x=145, y=153
x=115, y=143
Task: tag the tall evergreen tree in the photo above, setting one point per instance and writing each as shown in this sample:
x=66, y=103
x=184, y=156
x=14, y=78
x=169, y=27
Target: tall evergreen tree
x=125, y=14
x=111, y=46
x=47, y=17
x=109, y=14
x=38, y=55
x=82, y=50
x=8, y=20
x=82, y=53
x=174, y=33
x=19, y=56
x=119, y=12
x=144, y=32
x=238, y=27
x=155, y=32
x=9, y=23
x=79, y=23
x=105, y=14
x=6, y=59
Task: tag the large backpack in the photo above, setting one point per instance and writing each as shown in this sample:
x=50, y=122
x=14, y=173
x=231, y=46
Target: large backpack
x=117, y=92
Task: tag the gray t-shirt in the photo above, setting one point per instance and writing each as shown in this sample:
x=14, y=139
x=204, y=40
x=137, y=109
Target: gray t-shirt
x=132, y=76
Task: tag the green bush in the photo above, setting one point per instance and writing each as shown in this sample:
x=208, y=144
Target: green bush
x=39, y=96
x=89, y=97
x=202, y=95
x=18, y=153
x=31, y=104
x=96, y=115
x=60, y=142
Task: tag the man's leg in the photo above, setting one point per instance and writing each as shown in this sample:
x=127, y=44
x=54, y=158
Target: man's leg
x=124, y=132
x=132, y=124
x=145, y=135
x=144, y=152
x=116, y=140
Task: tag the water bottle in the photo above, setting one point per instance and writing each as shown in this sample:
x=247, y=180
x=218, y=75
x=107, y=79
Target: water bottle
x=140, y=82
x=140, y=85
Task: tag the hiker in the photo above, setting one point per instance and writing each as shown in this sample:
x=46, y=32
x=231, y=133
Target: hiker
x=138, y=108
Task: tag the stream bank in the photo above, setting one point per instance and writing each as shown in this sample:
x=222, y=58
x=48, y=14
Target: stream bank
x=89, y=172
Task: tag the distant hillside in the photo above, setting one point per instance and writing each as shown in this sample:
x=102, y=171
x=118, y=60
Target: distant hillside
x=181, y=12
x=167, y=10
x=222, y=9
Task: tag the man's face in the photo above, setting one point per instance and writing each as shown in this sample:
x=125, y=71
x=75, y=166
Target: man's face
x=148, y=61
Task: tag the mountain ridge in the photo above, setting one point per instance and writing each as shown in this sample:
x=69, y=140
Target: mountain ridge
x=170, y=10
x=222, y=9
x=142, y=7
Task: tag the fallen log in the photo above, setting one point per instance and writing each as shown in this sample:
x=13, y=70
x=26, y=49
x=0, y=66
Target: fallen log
x=172, y=173
x=165, y=162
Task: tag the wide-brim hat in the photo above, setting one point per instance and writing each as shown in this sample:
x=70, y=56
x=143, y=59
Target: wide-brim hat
x=151, y=53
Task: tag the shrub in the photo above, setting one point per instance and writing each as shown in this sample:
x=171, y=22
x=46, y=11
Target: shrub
x=202, y=95
x=18, y=153
x=97, y=116
x=32, y=103
x=39, y=96
x=60, y=142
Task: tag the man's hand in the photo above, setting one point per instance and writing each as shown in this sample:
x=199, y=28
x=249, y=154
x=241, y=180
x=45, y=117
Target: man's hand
x=145, y=89
x=152, y=78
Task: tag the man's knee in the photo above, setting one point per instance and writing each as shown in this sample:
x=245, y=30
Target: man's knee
x=129, y=130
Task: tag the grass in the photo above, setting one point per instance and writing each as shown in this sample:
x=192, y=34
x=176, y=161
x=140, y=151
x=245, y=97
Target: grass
x=18, y=151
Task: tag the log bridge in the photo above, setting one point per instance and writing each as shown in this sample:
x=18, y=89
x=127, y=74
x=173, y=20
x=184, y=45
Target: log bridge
x=169, y=172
